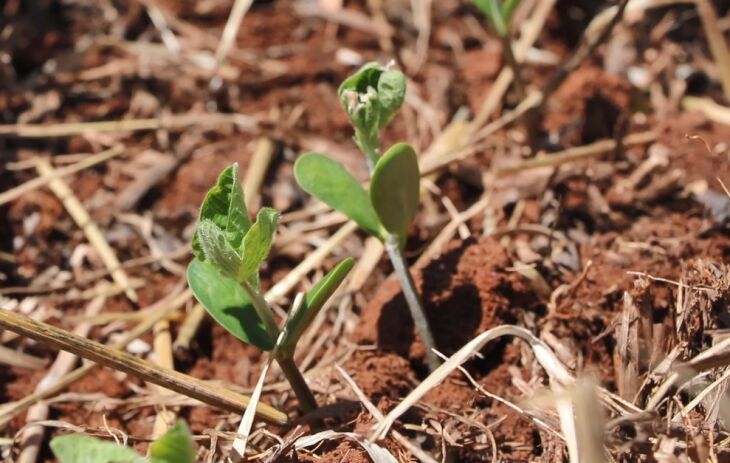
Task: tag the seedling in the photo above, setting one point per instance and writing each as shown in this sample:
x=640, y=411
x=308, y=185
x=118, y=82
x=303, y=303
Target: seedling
x=499, y=14
x=176, y=446
x=224, y=276
x=371, y=97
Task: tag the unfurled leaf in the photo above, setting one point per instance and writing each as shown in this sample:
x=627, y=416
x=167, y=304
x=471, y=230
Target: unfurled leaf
x=216, y=249
x=394, y=189
x=257, y=242
x=227, y=303
x=175, y=446
x=372, y=96
x=225, y=207
x=313, y=303
x=328, y=181
x=76, y=448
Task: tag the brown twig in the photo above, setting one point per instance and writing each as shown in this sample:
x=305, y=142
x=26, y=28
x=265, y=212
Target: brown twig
x=181, y=383
x=10, y=195
x=20, y=360
x=189, y=327
x=228, y=38
x=257, y=169
x=716, y=41
x=127, y=125
x=92, y=232
x=163, y=357
x=577, y=153
x=31, y=438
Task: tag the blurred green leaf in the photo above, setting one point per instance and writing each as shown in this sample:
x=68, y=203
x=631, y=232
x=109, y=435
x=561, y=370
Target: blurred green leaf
x=257, y=242
x=313, y=303
x=391, y=94
x=328, y=181
x=227, y=303
x=225, y=207
x=175, y=446
x=77, y=448
x=394, y=189
x=508, y=9
x=216, y=249
x=495, y=14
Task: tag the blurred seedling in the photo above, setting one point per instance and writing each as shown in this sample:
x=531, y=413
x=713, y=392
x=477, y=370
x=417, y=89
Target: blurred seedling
x=499, y=14
x=224, y=276
x=371, y=97
x=175, y=446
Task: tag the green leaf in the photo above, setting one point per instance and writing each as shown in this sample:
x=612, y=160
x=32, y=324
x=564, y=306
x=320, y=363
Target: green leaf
x=76, y=448
x=216, y=249
x=257, y=242
x=313, y=303
x=508, y=9
x=372, y=96
x=391, y=94
x=394, y=189
x=228, y=304
x=175, y=446
x=328, y=181
x=495, y=14
x=225, y=207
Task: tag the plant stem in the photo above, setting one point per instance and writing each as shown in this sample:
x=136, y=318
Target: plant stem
x=515, y=66
x=262, y=309
x=297, y=382
x=413, y=299
x=529, y=118
x=304, y=395
x=370, y=146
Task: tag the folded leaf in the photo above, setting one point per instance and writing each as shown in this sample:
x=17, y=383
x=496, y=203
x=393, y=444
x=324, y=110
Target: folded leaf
x=372, y=96
x=216, y=249
x=257, y=242
x=394, y=188
x=228, y=304
x=313, y=303
x=391, y=94
x=175, y=446
x=77, y=448
x=328, y=181
x=225, y=207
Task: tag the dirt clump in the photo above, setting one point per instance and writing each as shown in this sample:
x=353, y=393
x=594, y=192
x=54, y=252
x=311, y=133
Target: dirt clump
x=465, y=291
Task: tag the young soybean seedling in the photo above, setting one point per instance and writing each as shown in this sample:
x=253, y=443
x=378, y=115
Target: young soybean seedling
x=224, y=276
x=371, y=98
x=499, y=13
x=175, y=446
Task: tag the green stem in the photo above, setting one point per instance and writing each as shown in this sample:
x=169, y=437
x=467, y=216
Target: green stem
x=413, y=299
x=370, y=146
x=262, y=310
x=298, y=384
x=295, y=378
